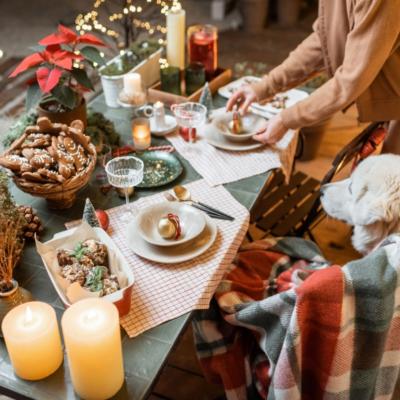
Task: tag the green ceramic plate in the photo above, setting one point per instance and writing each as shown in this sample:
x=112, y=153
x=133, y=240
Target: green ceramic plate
x=160, y=168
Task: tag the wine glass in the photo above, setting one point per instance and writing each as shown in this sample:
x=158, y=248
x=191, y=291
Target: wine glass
x=190, y=115
x=123, y=173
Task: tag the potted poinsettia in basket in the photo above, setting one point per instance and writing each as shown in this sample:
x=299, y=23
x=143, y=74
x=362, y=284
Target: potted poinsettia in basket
x=61, y=78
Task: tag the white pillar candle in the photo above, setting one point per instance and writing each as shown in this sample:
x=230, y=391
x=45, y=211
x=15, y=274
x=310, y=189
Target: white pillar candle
x=93, y=344
x=141, y=133
x=33, y=340
x=176, y=26
x=159, y=114
x=132, y=84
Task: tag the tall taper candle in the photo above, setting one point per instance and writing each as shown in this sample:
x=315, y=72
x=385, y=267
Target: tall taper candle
x=176, y=26
x=93, y=343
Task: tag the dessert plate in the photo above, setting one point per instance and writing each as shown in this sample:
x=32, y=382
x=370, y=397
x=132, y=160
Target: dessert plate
x=251, y=123
x=214, y=137
x=192, y=223
x=175, y=254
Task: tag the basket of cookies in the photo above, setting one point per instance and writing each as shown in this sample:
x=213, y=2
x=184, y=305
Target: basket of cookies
x=51, y=160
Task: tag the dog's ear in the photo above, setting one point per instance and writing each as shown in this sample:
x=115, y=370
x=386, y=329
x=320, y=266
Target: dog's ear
x=369, y=208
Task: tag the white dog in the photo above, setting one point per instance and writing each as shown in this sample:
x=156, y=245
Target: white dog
x=369, y=200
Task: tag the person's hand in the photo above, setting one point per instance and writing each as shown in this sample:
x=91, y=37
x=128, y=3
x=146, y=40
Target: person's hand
x=243, y=97
x=273, y=133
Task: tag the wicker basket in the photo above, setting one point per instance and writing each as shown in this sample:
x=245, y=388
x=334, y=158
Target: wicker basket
x=59, y=195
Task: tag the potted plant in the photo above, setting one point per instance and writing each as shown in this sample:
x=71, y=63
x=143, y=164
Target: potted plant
x=12, y=224
x=60, y=75
x=142, y=57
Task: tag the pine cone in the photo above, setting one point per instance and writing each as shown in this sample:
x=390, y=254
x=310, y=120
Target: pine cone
x=33, y=224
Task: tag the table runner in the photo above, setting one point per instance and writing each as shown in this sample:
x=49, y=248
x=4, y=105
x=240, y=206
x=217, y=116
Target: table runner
x=219, y=166
x=163, y=292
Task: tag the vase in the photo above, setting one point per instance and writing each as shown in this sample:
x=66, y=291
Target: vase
x=65, y=117
x=14, y=297
x=288, y=12
x=254, y=13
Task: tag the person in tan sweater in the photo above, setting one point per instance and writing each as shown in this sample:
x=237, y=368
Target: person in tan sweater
x=357, y=43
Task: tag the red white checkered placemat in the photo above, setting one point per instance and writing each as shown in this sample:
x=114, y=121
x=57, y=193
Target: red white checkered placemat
x=231, y=166
x=163, y=292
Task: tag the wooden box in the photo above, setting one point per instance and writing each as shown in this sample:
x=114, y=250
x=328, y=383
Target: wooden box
x=223, y=77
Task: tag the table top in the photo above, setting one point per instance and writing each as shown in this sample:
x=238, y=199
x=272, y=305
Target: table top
x=145, y=355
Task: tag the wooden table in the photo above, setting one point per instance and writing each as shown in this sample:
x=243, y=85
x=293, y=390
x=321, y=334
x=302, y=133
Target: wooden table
x=145, y=355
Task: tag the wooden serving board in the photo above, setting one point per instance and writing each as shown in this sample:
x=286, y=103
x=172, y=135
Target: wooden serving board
x=155, y=93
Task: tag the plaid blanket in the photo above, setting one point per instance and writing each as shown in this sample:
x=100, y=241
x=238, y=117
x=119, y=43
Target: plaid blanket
x=285, y=325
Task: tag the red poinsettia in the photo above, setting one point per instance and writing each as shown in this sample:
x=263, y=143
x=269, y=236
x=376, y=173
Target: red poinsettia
x=59, y=66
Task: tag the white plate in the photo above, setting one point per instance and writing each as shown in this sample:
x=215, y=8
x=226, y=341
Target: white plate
x=175, y=254
x=191, y=220
x=213, y=137
x=227, y=90
x=294, y=96
x=252, y=124
x=170, y=126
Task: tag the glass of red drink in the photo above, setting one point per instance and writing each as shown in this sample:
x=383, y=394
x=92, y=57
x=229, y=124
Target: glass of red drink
x=203, y=47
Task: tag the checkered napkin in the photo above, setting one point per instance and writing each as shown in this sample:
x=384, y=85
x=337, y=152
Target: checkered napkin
x=218, y=166
x=163, y=292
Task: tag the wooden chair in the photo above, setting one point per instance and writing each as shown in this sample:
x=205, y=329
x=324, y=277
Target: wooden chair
x=294, y=209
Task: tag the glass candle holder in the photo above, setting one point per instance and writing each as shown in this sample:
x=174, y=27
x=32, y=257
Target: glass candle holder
x=203, y=47
x=141, y=133
x=195, y=77
x=171, y=80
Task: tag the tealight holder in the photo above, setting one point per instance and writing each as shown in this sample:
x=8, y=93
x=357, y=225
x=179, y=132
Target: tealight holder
x=141, y=134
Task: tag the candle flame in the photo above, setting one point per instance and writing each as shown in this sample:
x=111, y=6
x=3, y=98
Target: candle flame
x=28, y=315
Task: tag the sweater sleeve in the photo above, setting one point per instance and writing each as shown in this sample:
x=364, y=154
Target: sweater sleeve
x=302, y=63
x=369, y=44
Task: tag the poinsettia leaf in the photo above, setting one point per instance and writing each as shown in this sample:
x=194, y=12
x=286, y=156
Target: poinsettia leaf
x=63, y=36
x=93, y=55
x=61, y=58
x=90, y=39
x=68, y=33
x=37, y=48
x=33, y=96
x=28, y=62
x=82, y=78
x=48, y=78
x=65, y=96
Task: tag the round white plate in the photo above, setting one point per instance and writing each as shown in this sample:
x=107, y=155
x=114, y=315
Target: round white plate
x=251, y=124
x=175, y=254
x=170, y=125
x=213, y=137
x=192, y=222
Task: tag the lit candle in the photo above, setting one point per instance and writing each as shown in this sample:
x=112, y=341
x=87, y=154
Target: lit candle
x=159, y=114
x=141, y=133
x=33, y=340
x=176, y=27
x=132, y=84
x=93, y=345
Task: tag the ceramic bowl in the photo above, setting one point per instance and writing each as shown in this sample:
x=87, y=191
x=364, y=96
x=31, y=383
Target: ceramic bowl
x=192, y=223
x=252, y=124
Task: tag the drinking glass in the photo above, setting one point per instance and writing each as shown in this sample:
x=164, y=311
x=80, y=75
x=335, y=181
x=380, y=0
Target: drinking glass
x=190, y=115
x=123, y=173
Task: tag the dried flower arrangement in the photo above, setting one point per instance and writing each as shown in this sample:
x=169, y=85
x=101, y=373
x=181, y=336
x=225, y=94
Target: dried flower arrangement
x=11, y=242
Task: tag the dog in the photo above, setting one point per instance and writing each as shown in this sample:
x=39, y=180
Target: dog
x=369, y=201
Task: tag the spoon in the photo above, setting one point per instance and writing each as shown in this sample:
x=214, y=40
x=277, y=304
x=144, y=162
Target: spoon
x=183, y=194
x=170, y=197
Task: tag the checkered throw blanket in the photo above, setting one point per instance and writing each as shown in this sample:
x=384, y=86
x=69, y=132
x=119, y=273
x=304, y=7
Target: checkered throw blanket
x=285, y=325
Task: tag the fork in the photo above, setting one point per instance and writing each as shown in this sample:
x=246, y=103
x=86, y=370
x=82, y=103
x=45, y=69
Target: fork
x=172, y=198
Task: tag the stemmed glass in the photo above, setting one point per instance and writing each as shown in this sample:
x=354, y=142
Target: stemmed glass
x=190, y=115
x=125, y=172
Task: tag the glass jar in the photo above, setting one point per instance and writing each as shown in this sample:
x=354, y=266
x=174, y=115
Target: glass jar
x=203, y=47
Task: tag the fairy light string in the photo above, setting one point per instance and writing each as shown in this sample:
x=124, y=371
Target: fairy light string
x=129, y=17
